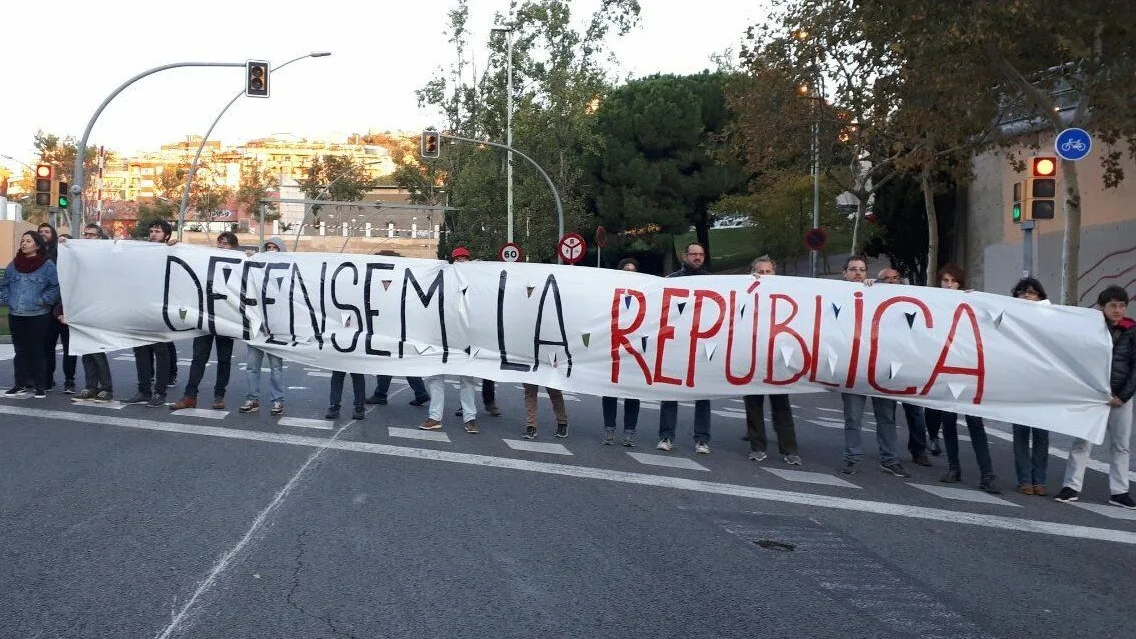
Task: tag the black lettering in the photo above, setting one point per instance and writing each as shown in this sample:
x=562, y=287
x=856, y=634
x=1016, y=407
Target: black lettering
x=269, y=301
x=170, y=261
x=346, y=307
x=550, y=284
x=424, y=297
x=371, y=315
x=506, y=365
x=297, y=277
x=246, y=301
x=211, y=294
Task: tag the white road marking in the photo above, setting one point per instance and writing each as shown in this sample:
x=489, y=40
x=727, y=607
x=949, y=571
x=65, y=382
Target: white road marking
x=112, y=405
x=297, y=388
x=826, y=423
x=414, y=433
x=667, y=461
x=7, y=351
x=303, y=422
x=810, y=478
x=124, y=358
x=207, y=413
x=1115, y=512
x=724, y=413
x=827, y=410
x=963, y=494
x=319, y=374
x=583, y=472
x=536, y=447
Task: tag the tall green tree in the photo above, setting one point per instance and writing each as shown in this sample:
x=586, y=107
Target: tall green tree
x=256, y=183
x=334, y=178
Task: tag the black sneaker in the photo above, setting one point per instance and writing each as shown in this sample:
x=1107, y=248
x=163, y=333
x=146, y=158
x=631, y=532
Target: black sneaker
x=418, y=401
x=40, y=394
x=562, y=430
x=530, y=432
x=16, y=390
x=953, y=476
x=1067, y=495
x=987, y=484
x=157, y=400
x=1123, y=500
x=849, y=468
x=69, y=387
x=377, y=399
x=895, y=468
x=137, y=398
x=332, y=413
x=358, y=413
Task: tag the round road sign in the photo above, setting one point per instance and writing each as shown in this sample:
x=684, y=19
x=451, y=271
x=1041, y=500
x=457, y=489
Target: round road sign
x=601, y=237
x=510, y=252
x=816, y=239
x=1073, y=144
x=571, y=248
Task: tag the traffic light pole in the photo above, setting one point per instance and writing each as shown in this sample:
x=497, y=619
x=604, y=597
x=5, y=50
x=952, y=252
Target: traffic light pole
x=81, y=149
x=1027, y=248
x=555, y=193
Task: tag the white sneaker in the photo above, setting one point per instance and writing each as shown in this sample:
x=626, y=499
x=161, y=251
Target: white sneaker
x=665, y=444
x=702, y=448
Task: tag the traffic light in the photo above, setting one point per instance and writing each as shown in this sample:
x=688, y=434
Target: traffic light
x=430, y=144
x=64, y=197
x=256, y=79
x=1041, y=189
x=43, y=185
x=1016, y=211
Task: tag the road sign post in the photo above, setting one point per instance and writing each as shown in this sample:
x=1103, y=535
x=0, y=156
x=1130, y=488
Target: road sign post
x=601, y=240
x=816, y=239
x=571, y=248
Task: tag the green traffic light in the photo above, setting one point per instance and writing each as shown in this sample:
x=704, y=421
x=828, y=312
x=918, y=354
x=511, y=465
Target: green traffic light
x=1017, y=213
x=64, y=201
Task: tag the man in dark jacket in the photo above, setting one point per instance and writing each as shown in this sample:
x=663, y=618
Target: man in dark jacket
x=1122, y=380
x=693, y=263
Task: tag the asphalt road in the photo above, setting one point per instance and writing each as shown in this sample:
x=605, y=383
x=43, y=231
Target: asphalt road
x=132, y=522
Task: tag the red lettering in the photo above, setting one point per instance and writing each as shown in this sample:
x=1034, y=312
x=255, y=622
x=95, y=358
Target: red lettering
x=857, y=326
x=696, y=324
x=619, y=335
x=979, y=370
x=874, y=350
x=748, y=377
x=818, y=312
x=666, y=332
x=777, y=328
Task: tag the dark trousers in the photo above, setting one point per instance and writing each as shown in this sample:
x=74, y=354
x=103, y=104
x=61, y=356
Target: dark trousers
x=916, y=429
x=358, y=386
x=202, y=346
x=97, y=370
x=173, y=367
x=630, y=413
x=59, y=332
x=153, y=364
x=782, y=423
x=488, y=392
x=668, y=420
x=29, y=333
x=416, y=385
x=977, y=429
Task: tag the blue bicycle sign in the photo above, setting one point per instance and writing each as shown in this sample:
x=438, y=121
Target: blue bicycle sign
x=1073, y=144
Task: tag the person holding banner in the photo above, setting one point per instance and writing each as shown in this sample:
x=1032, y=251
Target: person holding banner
x=30, y=290
x=693, y=263
x=488, y=386
x=436, y=385
x=1030, y=465
x=781, y=410
x=58, y=331
x=154, y=362
x=359, y=392
x=1122, y=381
x=254, y=358
x=96, y=368
x=611, y=404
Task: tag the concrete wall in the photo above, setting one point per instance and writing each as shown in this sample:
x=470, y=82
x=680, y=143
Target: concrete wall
x=10, y=232
x=992, y=243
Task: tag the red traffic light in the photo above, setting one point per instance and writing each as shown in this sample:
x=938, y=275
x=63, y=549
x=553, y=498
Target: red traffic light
x=43, y=171
x=1043, y=167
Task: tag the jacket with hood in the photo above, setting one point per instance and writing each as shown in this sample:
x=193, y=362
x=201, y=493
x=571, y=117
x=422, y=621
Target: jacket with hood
x=1123, y=378
x=279, y=243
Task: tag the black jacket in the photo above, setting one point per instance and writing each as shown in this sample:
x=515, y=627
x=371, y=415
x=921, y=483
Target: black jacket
x=1123, y=378
x=685, y=271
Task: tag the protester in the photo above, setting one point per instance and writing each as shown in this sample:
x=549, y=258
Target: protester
x=96, y=368
x=30, y=290
x=382, y=389
x=611, y=404
x=58, y=332
x=254, y=359
x=461, y=255
x=780, y=408
x=1118, y=431
x=1030, y=465
x=951, y=277
x=203, y=345
x=153, y=361
x=693, y=263
x=558, y=410
x=359, y=391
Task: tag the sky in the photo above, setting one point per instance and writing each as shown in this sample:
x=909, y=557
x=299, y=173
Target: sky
x=382, y=50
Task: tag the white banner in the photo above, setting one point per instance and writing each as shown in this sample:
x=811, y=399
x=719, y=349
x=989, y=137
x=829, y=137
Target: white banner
x=604, y=332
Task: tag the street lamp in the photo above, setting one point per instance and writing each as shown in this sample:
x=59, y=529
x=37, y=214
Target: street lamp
x=201, y=146
x=805, y=91
x=508, y=31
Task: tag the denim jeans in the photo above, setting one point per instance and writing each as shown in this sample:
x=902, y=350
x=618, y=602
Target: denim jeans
x=916, y=429
x=253, y=359
x=630, y=413
x=884, y=410
x=383, y=383
x=668, y=420
x=782, y=414
x=202, y=346
x=1030, y=464
x=978, y=441
x=467, y=391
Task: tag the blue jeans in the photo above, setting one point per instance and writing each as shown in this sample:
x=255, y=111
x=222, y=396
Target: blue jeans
x=1031, y=464
x=884, y=410
x=253, y=360
x=668, y=420
x=916, y=429
x=977, y=430
x=630, y=413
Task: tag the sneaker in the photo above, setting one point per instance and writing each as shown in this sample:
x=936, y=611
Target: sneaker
x=471, y=427
x=277, y=408
x=792, y=460
x=104, y=396
x=562, y=430
x=922, y=460
x=757, y=456
x=137, y=398
x=184, y=402
x=628, y=438
x=1124, y=500
x=430, y=424
x=530, y=432
x=69, y=387
x=1067, y=495
x=609, y=436
x=987, y=484
x=895, y=468
x=84, y=395
x=157, y=400
x=332, y=413
x=492, y=409
x=849, y=468
x=16, y=390
x=250, y=406
x=935, y=447
x=418, y=401
x=358, y=413
x=218, y=403
x=40, y=394
x=702, y=448
x=953, y=476
x=377, y=399
x=665, y=444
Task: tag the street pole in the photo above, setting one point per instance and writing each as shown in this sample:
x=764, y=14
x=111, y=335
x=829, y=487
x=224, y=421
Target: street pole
x=508, y=31
x=205, y=138
x=555, y=193
x=81, y=150
x=814, y=254
x=1027, y=247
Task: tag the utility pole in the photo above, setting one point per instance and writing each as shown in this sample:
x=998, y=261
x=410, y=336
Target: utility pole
x=508, y=31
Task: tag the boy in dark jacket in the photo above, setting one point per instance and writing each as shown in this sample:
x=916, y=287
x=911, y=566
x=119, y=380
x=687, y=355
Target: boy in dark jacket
x=1122, y=380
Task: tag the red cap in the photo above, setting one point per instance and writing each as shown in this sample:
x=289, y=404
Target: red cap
x=460, y=251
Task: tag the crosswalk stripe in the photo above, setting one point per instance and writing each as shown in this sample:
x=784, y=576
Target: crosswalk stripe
x=303, y=422
x=963, y=494
x=810, y=478
x=415, y=433
x=536, y=447
x=667, y=461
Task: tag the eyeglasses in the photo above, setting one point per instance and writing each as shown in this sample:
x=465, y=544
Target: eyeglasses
x=856, y=269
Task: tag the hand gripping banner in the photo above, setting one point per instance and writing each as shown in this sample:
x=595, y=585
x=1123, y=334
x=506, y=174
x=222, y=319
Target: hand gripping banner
x=604, y=332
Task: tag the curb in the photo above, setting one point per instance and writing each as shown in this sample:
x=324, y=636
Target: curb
x=5, y=339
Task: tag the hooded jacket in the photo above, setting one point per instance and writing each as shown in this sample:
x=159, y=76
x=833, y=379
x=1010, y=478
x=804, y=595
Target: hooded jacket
x=280, y=244
x=1123, y=377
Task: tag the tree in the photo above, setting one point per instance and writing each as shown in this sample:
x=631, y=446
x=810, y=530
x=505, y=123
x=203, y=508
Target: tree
x=257, y=183
x=337, y=178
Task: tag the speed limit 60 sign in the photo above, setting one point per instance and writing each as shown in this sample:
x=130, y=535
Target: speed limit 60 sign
x=510, y=253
